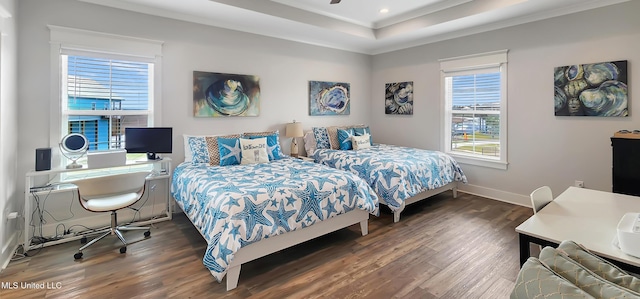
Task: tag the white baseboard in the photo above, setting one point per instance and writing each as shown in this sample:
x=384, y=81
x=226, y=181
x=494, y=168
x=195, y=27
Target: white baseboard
x=500, y=195
x=8, y=249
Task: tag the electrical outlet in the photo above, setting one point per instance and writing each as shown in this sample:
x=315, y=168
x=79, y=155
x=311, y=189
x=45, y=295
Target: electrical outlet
x=579, y=184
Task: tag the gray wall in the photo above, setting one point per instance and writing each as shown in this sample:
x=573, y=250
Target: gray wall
x=542, y=149
x=9, y=187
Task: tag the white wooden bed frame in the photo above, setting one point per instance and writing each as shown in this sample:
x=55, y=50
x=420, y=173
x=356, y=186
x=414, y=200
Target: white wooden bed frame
x=273, y=244
x=423, y=195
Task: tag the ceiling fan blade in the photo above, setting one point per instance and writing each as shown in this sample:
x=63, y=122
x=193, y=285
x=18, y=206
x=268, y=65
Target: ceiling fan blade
x=335, y=1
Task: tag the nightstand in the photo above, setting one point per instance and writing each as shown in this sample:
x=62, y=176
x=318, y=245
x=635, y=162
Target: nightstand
x=308, y=159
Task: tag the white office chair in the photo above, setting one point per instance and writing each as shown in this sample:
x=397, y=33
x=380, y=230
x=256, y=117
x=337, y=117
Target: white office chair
x=540, y=198
x=109, y=194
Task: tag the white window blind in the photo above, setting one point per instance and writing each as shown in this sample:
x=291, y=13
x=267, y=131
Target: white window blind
x=102, y=96
x=474, y=95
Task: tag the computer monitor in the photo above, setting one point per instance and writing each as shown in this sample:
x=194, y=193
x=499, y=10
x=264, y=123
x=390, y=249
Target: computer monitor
x=150, y=141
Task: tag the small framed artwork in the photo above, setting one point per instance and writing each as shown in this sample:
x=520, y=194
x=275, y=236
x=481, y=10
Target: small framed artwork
x=224, y=95
x=329, y=98
x=596, y=89
x=398, y=98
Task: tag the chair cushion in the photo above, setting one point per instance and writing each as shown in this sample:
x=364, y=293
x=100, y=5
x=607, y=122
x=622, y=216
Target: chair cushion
x=599, y=266
x=111, y=203
x=536, y=280
x=582, y=277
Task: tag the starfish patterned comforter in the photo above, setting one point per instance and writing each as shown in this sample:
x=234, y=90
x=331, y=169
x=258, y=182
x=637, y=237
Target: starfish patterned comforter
x=396, y=173
x=233, y=206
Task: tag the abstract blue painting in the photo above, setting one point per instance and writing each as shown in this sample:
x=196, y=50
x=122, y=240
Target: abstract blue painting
x=329, y=98
x=222, y=95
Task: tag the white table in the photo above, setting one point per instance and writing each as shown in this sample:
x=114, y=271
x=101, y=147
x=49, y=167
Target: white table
x=588, y=217
x=163, y=172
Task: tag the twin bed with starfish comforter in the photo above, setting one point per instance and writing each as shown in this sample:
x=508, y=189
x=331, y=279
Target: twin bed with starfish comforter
x=247, y=211
x=399, y=175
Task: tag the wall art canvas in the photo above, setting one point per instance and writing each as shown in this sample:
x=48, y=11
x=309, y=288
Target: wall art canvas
x=224, y=95
x=398, y=98
x=329, y=98
x=596, y=89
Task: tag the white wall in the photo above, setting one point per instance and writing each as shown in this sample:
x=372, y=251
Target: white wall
x=542, y=149
x=8, y=128
x=284, y=68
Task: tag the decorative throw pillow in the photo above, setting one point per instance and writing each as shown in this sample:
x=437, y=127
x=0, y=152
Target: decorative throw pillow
x=214, y=150
x=203, y=148
x=195, y=149
x=322, y=137
x=362, y=131
x=334, y=143
x=344, y=137
x=254, y=150
x=212, y=147
x=273, y=143
x=357, y=126
x=360, y=142
x=230, y=152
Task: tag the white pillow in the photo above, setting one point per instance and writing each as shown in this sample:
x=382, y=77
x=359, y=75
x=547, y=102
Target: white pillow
x=254, y=150
x=188, y=155
x=360, y=142
x=309, y=142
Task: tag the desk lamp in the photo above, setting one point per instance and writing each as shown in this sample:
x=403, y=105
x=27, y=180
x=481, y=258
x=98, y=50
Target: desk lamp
x=294, y=130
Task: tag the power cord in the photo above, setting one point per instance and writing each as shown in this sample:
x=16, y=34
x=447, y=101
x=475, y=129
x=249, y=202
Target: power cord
x=18, y=256
x=137, y=210
x=38, y=214
x=73, y=196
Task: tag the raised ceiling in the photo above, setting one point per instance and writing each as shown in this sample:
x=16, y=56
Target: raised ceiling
x=358, y=25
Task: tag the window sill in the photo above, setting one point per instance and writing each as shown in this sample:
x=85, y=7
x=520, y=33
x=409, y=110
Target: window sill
x=470, y=160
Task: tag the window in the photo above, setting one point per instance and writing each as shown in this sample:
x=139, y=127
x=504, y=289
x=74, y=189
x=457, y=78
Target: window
x=475, y=102
x=102, y=96
x=102, y=83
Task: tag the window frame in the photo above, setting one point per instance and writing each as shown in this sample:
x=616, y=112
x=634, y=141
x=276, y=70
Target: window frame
x=475, y=64
x=71, y=41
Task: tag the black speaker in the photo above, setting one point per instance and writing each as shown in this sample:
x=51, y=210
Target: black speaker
x=43, y=159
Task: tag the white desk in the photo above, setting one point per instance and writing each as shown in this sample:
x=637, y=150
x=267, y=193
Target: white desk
x=588, y=217
x=162, y=168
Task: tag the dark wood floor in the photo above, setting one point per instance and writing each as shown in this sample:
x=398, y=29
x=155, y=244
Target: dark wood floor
x=441, y=248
